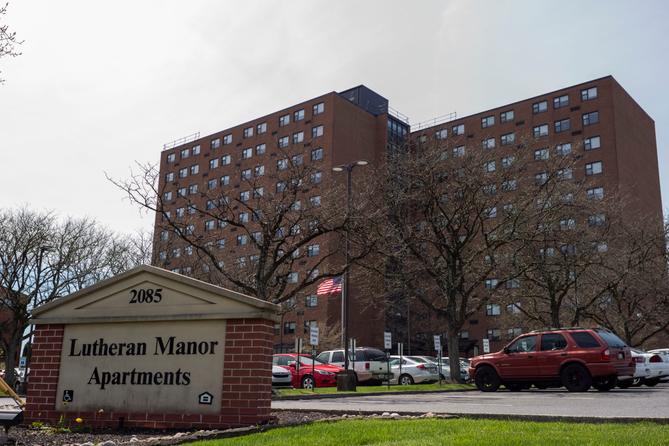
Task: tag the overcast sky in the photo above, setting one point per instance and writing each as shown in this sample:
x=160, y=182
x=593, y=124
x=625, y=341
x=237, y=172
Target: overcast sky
x=101, y=84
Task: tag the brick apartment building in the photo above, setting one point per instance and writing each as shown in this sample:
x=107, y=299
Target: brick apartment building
x=598, y=118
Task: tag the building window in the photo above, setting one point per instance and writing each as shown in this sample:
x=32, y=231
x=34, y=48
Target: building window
x=316, y=177
x=491, y=284
x=541, y=178
x=247, y=153
x=491, y=212
x=507, y=139
x=313, y=250
x=169, y=177
x=489, y=166
x=311, y=301
x=243, y=217
x=592, y=143
x=493, y=334
x=563, y=149
x=562, y=125
x=441, y=134
x=260, y=149
x=297, y=160
x=283, y=142
x=281, y=186
x=561, y=101
x=185, y=153
x=565, y=174
x=242, y=239
x=506, y=116
x=289, y=327
x=171, y=158
x=488, y=121
x=246, y=174
x=567, y=224
x=195, y=150
x=182, y=192
x=507, y=161
x=194, y=169
x=259, y=171
x=244, y=196
x=164, y=236
x=593, y=168
x=459, y=151
x=225, y=180
x=216, y=143
x=596, y=220
x=258, y=192
x=183, y=173
x=181, y=212
x=590, y=118
x=595, y=193
x=211, y=184
x=540, y=107
x=282, y=164
x=298, y=137
x=493, y=310
x=509, y=185
x=488, y=143
x=513, y=333
x=601, y=247
x=292, y=277
x=284, y=120
x=225, y=160
x=463, y=334
x=315, y=201
x=458, y=129
x=192, y=189
x=210, y=225
x=298, y=115
x=317, y=131
x=261, y=128
x=540, y=130
x=319, y=108
x=317, y=154
x=541, y=154
x=589, y=94
x=512, y=284
x=227, y=139
x=213, y=163
x=248, y=132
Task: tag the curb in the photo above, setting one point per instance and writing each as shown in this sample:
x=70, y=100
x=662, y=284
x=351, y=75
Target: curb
x=349, y=395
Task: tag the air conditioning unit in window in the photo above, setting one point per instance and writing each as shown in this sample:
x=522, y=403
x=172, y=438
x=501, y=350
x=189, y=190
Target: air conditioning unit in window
x=575, y=108
x=576, y=132
x=519, y=123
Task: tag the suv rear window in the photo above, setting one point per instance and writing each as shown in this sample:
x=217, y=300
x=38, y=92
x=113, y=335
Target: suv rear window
x=338, y=356
x=584, y=339
x=611, y=339
x=374, y=354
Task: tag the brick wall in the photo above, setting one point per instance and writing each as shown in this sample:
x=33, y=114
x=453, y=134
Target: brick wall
x=245, y=398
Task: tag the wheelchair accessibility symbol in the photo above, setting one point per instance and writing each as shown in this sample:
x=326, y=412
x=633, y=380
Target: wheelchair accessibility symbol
x=68, y=396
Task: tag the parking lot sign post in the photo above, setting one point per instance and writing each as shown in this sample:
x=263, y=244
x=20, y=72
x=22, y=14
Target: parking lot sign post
x=486, y=345
x=400, y=352
x=437, y=347
x=313, y=340
x=387, y=345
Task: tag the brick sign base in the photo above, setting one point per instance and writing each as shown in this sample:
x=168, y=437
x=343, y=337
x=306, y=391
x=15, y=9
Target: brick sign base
x=245, y=398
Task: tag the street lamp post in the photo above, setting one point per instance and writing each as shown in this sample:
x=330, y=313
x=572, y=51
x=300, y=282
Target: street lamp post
x=347, y=382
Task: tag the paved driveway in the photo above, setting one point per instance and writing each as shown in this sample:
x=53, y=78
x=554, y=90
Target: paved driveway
x=643, y=402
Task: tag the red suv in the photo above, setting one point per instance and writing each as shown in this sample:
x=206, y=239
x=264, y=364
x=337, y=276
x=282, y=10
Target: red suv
x=575, y=358
x=308, y=371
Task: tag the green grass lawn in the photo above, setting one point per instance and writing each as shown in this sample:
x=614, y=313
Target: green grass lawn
x=427, y=432
x=374, y=389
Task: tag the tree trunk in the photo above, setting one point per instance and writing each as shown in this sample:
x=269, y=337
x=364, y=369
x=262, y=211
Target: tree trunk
x=454, y=355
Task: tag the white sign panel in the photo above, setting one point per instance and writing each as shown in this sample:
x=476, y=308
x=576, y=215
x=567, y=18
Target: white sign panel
x=486, y=345
x=313, y=335
x=387, y=340
x=142, y=367
x=437, y=342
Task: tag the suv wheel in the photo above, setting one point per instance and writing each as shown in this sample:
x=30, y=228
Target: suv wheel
x=308, y=382
x=405, y=380
x=486, y=379
x=576, y=378
x=605, y=384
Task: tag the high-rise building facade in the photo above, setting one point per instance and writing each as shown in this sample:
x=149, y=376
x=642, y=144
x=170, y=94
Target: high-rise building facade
x=611, y=132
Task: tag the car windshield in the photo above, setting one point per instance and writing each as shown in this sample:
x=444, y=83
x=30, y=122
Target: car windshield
x=611, y=339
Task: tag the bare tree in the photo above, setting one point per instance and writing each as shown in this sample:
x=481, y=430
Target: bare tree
x=42, y=259
x=8, y=41
x=256, y=241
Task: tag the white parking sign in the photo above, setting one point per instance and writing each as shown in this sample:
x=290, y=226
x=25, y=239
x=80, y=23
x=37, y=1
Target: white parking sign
x=387, y=340
x=437, y=342
x=313, y=335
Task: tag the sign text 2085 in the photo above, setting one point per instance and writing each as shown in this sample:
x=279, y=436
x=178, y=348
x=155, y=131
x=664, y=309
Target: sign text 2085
x=146, y=296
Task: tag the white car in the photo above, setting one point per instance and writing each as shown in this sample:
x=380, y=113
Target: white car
x=412, y=370
x=650, y=369
x=281, y=377
x=369, y=364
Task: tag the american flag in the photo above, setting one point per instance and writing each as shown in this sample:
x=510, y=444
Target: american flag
x=329, y=286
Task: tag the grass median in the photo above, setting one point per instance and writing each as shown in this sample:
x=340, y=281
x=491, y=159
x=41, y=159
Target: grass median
x=377, y=389
x=454, y=432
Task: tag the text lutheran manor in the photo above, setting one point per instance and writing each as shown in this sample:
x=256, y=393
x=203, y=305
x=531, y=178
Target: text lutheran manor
x=162, y=346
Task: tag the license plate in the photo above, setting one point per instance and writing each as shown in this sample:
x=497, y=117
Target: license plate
x=621, y=355
x=385, y=376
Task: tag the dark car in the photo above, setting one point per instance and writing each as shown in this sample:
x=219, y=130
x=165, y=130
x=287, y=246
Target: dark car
x=576, y=358
x=306, y=371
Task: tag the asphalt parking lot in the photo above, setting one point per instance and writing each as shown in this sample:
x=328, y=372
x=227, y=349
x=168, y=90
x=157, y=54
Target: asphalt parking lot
x=634, y=403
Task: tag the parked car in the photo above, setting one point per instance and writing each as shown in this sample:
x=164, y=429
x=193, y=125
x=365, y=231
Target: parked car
x=464, y=368
x=306, y=371
x=281, y=377
x=19, y=377
x=370, y=363
x=412, y=370
x=649, y=370
x=576, y=358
